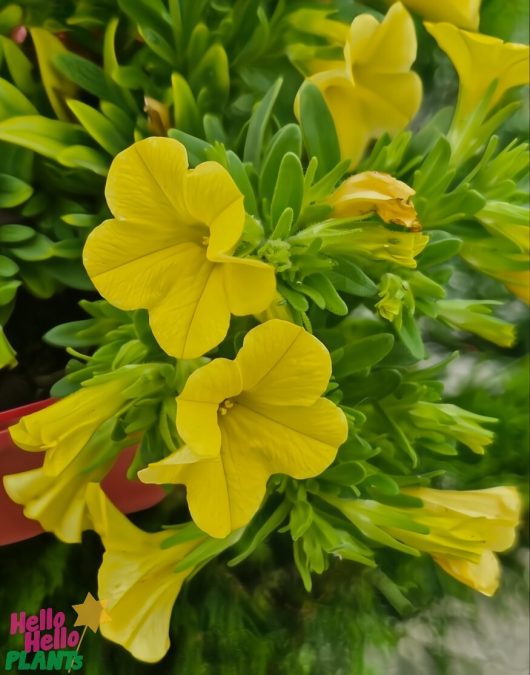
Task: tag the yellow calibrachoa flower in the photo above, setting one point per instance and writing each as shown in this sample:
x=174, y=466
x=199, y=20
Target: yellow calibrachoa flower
x=466, y=528
x=246, y=419
x=373, y=91
x=169, y=247
x=58, y=502
x=479, y=61
x=373, y=191
x=462, y=13
x=137, y=579
x=63, y=429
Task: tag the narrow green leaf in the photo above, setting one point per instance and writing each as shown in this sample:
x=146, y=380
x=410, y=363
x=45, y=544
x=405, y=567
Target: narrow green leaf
x=287, y=139
x=289, y=190
x=258, y=125
x=99, y=127
x=13, y=191
x=318, y=129
x=360, y=354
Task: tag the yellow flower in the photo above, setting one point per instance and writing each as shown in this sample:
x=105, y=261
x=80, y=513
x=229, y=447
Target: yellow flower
x=63, y=429
x=137, y=579
x=246, y=419
x=479, y=61
x=58, y=502
x=466, y=528
x=375, y=192
x=169, y=247
x=373, y=91
x=462, y=13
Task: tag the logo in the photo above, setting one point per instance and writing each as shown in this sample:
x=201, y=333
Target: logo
x=48, y=643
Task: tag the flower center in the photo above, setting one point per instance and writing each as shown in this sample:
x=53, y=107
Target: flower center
x=205, y=240
x=225, y=406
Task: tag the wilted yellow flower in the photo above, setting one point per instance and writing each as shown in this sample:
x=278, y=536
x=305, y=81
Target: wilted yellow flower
x=169, y=247
x=373, y=91
x=466, y=528
x=462, y=13
x=58, y=502
x=246, y=419
x=479, y=61
x=63, y=429
x=375, y=192
x=137, y=578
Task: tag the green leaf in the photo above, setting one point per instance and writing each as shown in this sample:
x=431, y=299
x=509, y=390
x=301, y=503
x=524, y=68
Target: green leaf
x=196, y=147
x=289, y=190
x=20, y=67
x=211, y=78
x=258, y=531
x=14, y=234
x=346, y=473
x=154, y=25
x=360, y=354
x=13, y=191
x=92, y=78
x=8, y=268
x=439, y=251
x=7, y=353
x=47, y=48
x=258, y=125
x=38, y=248
x=318, y=129
x=185, y=112
x=410, y=335
x=42, y=135
x=348, y=278
x=79, y=156
x=98, y=126
x=334, y=303
x=287, y=139
x=242, y=180
x=8, y=290
x=13, y=102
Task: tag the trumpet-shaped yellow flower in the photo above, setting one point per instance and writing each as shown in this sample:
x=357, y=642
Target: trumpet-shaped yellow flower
x=58, y=502
x=462, y=13
x=373, y=91
x=479, y=61
x=466, y=528
x=246, y=419
x=169, y=247
x=137, y=579
x=63, y=429
x=375, y=192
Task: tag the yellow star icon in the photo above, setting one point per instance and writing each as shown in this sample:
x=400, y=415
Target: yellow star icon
x=91, y=613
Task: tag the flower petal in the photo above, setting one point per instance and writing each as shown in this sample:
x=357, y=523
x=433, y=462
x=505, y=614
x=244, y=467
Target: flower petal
x=225, y=492
x=250, y=285
x=136, y=578
x=132, y=265
x=194, y=315
x=345, y=107
x=145, y=184
x=198, y=405
x=281, y=362
x=386, y=47
x=483, y=576
x=213, y=198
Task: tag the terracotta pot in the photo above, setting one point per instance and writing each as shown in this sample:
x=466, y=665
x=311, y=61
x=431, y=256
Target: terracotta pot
x=127, y=495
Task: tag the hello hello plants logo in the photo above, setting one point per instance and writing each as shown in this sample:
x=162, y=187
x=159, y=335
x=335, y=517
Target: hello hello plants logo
x=48, y=643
